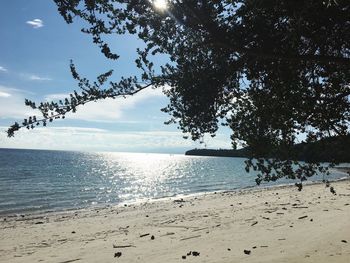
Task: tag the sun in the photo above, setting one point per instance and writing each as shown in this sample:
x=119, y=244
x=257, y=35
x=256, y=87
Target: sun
x=160, y=4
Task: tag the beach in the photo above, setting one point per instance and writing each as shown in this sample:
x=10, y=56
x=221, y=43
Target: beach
x=276, y=224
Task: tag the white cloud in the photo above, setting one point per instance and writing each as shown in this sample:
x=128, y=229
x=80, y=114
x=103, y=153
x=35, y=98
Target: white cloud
x=4, y=94
x=12, y=104
x=35, y=23
x=56, y=96
x=38, y=78
x=108, y=110
x=34, y=77
x=3, y=69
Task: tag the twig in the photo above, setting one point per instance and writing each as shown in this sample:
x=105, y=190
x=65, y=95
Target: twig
x=125, y=246
x=302, y=217
x=72, y=260
x=189, y=237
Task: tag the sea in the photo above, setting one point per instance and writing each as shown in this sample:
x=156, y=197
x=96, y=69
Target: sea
x=37, y=181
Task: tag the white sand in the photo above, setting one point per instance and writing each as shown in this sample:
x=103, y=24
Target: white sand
x=275, y=225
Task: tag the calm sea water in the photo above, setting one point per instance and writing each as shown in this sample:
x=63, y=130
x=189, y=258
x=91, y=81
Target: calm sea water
x=37, y=181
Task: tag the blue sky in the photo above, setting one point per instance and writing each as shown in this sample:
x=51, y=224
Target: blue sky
x=35, y=49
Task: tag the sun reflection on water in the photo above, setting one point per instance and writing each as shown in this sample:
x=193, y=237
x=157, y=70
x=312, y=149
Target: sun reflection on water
x=143, y=175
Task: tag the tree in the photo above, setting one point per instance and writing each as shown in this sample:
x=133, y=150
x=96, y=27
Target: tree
x=268, y=69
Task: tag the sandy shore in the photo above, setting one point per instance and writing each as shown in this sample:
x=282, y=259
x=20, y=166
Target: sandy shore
x=270, y=225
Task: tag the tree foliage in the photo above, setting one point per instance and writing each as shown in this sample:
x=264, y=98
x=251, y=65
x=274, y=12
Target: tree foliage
x=268, y=69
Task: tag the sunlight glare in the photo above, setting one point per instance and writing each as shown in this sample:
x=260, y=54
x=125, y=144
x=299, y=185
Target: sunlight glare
x=160, y=4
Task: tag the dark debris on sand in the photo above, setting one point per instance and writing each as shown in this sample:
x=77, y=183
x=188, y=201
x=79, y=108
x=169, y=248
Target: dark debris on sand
x=193, y=253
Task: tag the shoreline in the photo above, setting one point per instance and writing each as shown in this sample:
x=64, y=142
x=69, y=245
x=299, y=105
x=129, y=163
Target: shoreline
x=25, y=214
x=283, y=224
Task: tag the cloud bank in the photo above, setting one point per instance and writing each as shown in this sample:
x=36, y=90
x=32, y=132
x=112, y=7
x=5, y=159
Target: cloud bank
x=108, y=110
x=93, y=139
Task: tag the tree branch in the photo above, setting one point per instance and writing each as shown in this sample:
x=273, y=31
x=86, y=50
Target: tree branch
x=63, y=110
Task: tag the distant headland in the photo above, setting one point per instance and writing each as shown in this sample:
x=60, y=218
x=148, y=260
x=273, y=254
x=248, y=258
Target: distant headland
x=244, y=152
x=334, y=149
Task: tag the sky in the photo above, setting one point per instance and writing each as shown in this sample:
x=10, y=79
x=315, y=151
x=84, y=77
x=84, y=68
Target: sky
x=36, y=47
